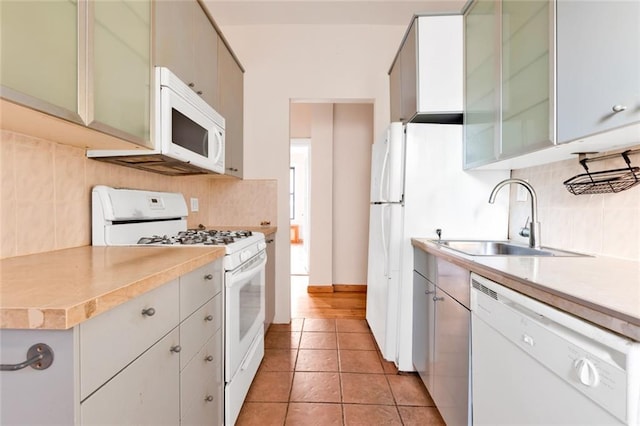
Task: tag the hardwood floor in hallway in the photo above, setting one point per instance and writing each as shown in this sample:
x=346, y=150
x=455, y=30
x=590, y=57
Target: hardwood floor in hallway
x=340, y=304
x=325, y=369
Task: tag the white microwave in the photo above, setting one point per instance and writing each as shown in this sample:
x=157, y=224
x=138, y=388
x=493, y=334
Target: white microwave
x=188, y=133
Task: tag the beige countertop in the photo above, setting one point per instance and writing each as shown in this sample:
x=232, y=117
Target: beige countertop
x=604, y=291
x=60, y=289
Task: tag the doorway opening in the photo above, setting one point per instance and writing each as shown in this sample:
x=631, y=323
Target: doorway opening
x=299, y=197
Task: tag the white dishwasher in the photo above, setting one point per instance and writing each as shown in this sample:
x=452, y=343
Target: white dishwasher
x=535, y=365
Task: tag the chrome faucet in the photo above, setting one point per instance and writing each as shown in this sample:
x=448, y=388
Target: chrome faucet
x=534, y=225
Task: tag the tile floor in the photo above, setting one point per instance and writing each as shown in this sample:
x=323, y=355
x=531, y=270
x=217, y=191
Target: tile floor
x=329, y=372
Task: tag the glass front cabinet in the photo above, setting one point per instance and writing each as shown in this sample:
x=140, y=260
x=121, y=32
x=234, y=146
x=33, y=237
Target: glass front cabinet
x=508, y=79
x=559, y=74
x=77, y=59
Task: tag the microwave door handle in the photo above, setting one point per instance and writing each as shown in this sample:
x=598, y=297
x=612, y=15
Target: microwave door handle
x=220, y=146
x=237, y=279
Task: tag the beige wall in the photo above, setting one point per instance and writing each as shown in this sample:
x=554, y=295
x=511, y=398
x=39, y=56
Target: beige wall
x=321, y=190
x=46, y=188
x=607, y=224
x=352, y=139
x=304, y=62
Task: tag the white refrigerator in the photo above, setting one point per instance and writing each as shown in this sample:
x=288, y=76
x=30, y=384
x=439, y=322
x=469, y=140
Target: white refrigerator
x=417, y=186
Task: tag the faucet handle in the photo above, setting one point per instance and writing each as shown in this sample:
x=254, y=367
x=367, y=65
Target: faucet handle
x=439, y=233
x=525, y=231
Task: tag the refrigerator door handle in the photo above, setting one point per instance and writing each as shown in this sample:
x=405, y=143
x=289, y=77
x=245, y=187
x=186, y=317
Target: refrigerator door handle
x=384, y=174
x=383, y=233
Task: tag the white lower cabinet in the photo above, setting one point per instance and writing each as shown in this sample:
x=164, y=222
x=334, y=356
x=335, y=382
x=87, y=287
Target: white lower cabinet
x=202, y=386
x=155, y=359
x=145, y=393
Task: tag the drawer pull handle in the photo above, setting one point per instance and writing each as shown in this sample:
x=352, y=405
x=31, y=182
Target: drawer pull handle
x=209, y=358
x=149, y=312
x=208, y=277
x=209, y=398
x=39, y=357
x=175, y=349
x=208, y=318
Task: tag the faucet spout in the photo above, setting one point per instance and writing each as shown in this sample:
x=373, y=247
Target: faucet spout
x=534, y=225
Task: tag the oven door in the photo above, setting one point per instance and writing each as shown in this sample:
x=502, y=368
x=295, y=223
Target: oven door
x=244, y=313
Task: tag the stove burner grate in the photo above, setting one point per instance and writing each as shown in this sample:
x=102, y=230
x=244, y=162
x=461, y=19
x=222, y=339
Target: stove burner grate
x=197, y=236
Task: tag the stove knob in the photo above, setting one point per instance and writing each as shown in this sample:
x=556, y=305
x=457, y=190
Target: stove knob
x=245, y=255
x=262, y=245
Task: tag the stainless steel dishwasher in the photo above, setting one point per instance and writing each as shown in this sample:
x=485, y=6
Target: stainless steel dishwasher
x=533, y=364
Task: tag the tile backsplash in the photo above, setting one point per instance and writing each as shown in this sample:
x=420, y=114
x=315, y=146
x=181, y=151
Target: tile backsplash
x=604, y=224
x=45, y=203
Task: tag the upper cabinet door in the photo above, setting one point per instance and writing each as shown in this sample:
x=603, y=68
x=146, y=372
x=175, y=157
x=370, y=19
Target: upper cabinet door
x=206, y=59
x=231, y=108
x=173, y=46
x=186, y=42
x=482, y=94
x=39, y=48
x=409, y=74
x=598, y=66
x=120, y=61
x=527, y=106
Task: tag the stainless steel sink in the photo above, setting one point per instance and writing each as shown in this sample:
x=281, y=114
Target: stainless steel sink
x=501, y=248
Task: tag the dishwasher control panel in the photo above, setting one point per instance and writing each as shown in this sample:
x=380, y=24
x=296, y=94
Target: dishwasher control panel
x=592, y=360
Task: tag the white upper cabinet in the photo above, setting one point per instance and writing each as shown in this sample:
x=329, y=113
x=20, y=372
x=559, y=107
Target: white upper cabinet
x=598, y=67
x=39, y=48
x=426, y=76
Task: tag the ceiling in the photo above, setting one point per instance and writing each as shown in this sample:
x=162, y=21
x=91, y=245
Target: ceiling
x=325, y=12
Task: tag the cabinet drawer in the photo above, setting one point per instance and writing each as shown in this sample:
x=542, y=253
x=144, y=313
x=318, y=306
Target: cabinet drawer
x=200, y=381
x=198, y=286
x=113, y=339
x=138, y=394
x=199, y=328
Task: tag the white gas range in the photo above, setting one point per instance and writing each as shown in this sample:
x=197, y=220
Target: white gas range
x=126, y=217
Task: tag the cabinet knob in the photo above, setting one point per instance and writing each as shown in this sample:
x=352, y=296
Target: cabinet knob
x=438, y=299
x=429, y=292
x=209, y=398
x=208, y=318
x=175, y=349
x=191, y=85
x=199, y=92
x=149, y=312
x=208, y=358
x=208, y=277
x=619, y=108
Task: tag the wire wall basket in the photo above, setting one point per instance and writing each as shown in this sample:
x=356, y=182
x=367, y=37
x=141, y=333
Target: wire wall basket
x=607, y=181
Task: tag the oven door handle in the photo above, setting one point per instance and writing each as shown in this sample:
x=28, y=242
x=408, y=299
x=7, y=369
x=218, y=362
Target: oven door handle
x=238, y=279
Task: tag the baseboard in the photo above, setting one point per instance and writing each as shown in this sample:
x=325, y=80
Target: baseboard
x=353, y=288
x=319, y=289
x=334, y=288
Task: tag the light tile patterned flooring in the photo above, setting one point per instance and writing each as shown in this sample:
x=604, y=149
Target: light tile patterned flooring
x=319, y=371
